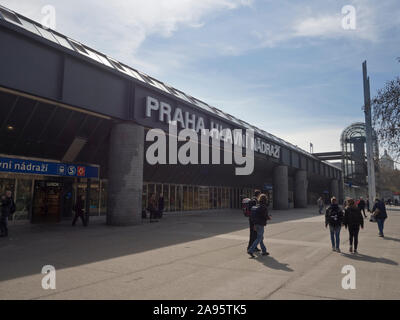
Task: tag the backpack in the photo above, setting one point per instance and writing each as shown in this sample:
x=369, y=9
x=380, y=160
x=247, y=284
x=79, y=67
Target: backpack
x=334, y=216
x=247, y=204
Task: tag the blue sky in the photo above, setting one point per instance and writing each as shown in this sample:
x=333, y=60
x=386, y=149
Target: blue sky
x=287, y=67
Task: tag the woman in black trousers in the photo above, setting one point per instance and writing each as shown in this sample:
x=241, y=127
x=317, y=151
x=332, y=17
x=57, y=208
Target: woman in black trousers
x=353, y=220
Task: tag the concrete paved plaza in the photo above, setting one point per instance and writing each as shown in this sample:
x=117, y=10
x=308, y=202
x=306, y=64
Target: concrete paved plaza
x=199, y=256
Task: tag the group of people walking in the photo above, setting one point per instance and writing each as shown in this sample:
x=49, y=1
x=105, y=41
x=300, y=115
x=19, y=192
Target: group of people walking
x=351, y=216
x=352, y=219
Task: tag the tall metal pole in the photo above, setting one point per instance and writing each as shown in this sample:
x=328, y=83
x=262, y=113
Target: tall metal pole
x=368, y=126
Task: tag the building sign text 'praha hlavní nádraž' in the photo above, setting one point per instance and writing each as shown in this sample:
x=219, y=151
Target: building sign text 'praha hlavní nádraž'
x=186, y=120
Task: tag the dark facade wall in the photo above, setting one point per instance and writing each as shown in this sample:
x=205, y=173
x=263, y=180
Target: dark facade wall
x=29, y=66
x=88, y=86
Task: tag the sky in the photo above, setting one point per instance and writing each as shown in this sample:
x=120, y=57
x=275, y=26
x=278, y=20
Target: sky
x=287, y=67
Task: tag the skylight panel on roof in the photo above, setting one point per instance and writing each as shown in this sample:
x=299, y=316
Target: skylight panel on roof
x=135, y=74
x=180, y=94
x=93, y=55
x=9, y=16
x=64, y=42
x=119, y=66
x=202, y=105
x=47, y=34
x=78, y=47
x=158, y=84
x=104, y=60
x=30, y=27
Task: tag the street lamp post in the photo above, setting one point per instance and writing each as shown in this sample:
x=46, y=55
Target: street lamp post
x=369, y=140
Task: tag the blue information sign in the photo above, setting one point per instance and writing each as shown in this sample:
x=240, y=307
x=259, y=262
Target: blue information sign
x=48, y=168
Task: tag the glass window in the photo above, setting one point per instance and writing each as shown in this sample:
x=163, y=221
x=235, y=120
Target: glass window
x=179, y=192
x=23, y=199
x=47, y=34
x=215, y=198
x=185, y=198
x=144, y=196
x=29, y=26
x=190, y=196
x=64, y=42
x=196, y=204
x=103, y=197
x=166, y=197
x=172, y=201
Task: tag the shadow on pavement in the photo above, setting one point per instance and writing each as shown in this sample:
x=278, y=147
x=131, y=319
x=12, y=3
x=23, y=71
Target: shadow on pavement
x=272, y=263
x=363, y=257
x=392, y=239
x=29, y=247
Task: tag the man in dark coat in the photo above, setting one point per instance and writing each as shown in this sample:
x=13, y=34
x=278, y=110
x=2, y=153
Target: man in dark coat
x=334, y=218
x=361, y=206
x=379, y=211
x=7, y=209
x=253, y=232
x=79, y=206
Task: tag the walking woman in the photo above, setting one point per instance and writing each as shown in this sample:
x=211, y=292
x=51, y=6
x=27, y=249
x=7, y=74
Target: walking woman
x=259, y=218
x=353, y=220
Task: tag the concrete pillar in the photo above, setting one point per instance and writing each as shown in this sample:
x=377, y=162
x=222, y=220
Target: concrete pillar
x=335, y=188
x=281, y=188
x=125, y=175
x=300, y=189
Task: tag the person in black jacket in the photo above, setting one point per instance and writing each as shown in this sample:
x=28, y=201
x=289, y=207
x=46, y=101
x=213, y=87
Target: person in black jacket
x=7, y=208
x=380, y=214
x=79, y=210
x=334, y=218
x=353, y=220
x=259, y=218
x=253, y=233
x=361, y=206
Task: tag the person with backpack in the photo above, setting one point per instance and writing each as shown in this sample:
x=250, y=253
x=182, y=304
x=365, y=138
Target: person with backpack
x=334, y=218
x=353, y=220
x=253, y=232
x=7, y=209
x=380, y=215
x=259, y=217
x=361, y=206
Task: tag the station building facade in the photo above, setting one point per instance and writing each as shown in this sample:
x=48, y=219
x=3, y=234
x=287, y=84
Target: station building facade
x=74, y=121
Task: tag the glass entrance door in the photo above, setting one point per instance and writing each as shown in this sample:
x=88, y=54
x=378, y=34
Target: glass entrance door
x=47, y=202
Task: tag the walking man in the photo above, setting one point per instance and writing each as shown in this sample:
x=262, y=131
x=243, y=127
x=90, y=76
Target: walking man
x=259, y=216
x=253, y=232
x=379, y=212
x=334, y=218
x=361, y=206
x=7, y=209
x=79, y=210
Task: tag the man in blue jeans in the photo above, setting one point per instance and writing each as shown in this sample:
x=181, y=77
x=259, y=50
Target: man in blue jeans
x=334, y=218
x=380, y=214
x=259, y=218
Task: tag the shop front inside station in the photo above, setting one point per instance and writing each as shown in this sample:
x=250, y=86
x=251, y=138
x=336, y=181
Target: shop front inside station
x=49, y=197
